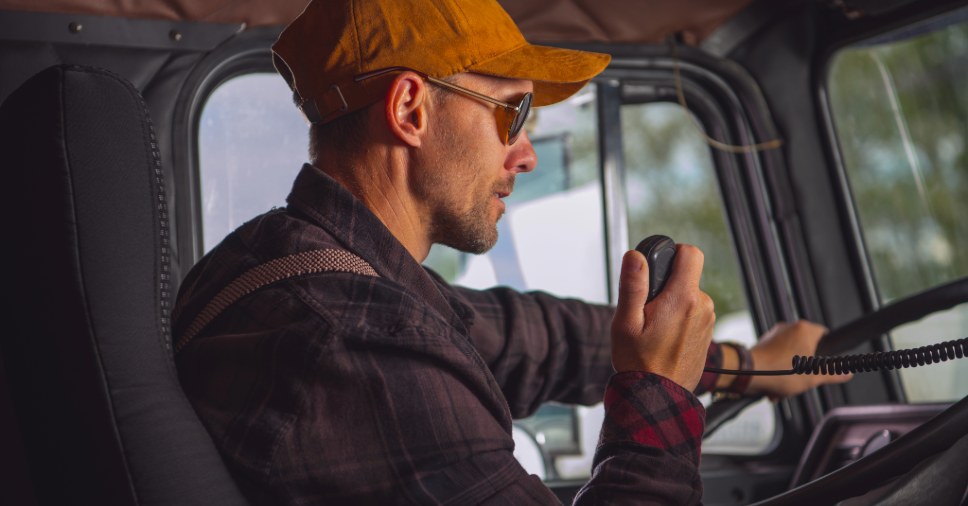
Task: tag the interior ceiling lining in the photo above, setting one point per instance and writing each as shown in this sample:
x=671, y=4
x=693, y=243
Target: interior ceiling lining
x=612, y=21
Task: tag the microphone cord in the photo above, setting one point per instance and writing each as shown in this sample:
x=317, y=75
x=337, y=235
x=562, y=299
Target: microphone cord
x=864, y=362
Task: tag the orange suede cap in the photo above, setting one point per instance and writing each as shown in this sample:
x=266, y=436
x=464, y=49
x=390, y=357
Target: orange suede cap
x=333, y=41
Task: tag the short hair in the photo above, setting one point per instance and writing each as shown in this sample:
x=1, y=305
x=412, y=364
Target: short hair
x=348, y=132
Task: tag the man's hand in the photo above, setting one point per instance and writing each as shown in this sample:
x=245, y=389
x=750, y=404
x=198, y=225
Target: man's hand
x=776, y=350
x=670, y=335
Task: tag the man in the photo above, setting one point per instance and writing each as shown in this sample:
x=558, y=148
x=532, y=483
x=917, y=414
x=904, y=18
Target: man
x=375, y=382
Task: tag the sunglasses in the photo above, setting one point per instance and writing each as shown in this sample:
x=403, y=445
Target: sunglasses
x=510, y=118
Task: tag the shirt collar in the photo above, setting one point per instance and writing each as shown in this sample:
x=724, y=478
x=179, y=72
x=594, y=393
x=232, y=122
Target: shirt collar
x=331, y=206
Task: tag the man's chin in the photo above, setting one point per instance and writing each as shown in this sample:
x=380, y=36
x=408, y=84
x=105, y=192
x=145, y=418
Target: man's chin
x=478, y=248
x=476, y=245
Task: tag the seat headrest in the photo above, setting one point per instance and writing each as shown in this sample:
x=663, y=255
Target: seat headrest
x=88, y=355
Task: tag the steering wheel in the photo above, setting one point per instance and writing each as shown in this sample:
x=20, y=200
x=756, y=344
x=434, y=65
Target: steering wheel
x=931, y=438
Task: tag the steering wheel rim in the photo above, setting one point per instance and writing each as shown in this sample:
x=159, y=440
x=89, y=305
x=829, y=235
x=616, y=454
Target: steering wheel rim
x=893, y=460
x=865, y=328
x=886, y=318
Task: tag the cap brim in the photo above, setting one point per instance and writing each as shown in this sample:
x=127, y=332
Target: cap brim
x=557, y=73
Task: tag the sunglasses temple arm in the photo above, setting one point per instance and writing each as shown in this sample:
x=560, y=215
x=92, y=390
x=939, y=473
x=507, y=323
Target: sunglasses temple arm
x=472, y=93
x=438, y=82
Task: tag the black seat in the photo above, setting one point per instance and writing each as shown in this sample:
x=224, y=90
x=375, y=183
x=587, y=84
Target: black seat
x=87, y=347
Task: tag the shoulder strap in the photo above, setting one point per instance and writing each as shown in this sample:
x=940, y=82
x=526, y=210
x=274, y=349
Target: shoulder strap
x=307, y=262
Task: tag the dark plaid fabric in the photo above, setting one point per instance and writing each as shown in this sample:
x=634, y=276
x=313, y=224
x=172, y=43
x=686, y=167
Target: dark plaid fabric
x=675, y=428
x=337, y=388
x=650, y=436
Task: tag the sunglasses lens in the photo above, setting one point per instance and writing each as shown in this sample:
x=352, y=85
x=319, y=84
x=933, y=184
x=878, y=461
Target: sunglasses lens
x=520, y=118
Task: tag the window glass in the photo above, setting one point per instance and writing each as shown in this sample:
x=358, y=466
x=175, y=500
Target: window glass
x=671, y=189
x=900, y=109
x=252, y=141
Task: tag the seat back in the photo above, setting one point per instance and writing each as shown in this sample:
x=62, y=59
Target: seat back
x=87, y=351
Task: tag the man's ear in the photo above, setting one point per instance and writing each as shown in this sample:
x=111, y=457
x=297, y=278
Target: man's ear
x=406, y=108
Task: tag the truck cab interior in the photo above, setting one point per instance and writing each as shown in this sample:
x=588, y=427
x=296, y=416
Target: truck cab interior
x=816, y=150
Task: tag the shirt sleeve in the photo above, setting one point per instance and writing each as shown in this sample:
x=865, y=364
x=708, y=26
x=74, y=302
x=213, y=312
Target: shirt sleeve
x=648, y=452
x=365, y=408
x=539, y=347
x=542, y=348
x=649, y=448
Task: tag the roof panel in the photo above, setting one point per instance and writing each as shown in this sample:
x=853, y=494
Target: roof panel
x=619, y=21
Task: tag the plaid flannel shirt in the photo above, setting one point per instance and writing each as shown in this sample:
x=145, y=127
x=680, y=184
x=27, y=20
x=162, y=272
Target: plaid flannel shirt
x=338, y=388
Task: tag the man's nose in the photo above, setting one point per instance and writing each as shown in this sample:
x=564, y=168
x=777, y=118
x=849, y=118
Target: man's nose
x=521, y=156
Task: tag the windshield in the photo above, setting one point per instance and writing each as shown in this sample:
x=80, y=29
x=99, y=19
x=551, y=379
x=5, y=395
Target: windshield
x=900, y=107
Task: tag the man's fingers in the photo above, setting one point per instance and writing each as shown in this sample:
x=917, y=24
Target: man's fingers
x=633, y=290
x=669, y=336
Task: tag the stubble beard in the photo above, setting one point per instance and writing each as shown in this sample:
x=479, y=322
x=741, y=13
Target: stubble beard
x=470, y=231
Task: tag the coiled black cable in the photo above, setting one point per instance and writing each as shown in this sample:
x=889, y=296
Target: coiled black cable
x=866, y=362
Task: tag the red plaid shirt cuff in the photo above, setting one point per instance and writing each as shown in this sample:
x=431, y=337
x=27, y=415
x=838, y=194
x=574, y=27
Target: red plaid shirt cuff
x=653, y=411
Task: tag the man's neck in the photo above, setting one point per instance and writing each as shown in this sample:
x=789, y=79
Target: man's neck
x=379, y=180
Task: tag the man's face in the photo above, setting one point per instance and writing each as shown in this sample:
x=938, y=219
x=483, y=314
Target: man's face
x=468, y=170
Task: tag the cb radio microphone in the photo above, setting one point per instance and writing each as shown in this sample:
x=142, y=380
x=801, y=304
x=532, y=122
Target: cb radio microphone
x=659, y=252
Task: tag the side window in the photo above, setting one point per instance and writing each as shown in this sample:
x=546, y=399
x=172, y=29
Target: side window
x=251, y=143
x=671, y=189
x=900, y=108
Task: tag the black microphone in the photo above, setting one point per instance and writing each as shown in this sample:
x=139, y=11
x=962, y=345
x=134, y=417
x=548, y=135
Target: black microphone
x=659, y=252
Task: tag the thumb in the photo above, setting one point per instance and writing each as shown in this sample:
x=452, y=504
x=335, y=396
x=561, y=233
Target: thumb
x=633, y=290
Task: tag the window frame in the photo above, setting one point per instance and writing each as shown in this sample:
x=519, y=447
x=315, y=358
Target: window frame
x=247, y=53
x=765, y=228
